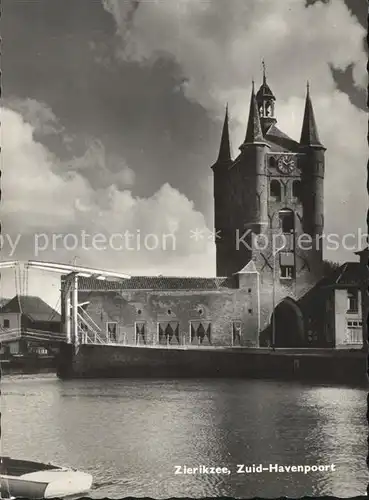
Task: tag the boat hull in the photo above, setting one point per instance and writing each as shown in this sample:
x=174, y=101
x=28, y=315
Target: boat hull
x=37, y=481
x=117, y=361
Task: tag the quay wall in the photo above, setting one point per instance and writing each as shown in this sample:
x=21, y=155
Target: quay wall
x=109, y=361
x=28, y=365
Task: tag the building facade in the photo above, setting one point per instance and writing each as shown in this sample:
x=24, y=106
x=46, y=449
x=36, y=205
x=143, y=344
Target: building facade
x=21, y=313
x=269, y=289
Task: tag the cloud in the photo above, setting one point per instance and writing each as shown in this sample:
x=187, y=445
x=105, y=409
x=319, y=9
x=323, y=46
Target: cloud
x=37, y=114
x=49, y=204
x=219, y=47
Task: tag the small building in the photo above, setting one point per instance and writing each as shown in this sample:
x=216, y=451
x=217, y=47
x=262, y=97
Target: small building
x=157, y=310
x=27, y=313
x=345, y=290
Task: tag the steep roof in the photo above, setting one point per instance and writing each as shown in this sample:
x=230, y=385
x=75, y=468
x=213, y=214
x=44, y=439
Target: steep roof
x=3, y=302
x=225, y=147
x=348, y=274
x=279, y=141
x=33, y=307
x=157, y=283
x=254, y=132
x=309, y=132
x=264, y=91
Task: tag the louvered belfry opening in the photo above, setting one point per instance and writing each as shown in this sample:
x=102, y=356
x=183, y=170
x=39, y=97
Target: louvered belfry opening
x=200, y=332
x=168, y=333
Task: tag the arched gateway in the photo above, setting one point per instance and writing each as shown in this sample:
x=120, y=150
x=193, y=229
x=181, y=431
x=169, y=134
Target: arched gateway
x=287, y=324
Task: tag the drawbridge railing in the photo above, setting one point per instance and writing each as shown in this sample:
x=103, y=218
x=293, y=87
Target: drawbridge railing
x=89, y=331
x=31, y=334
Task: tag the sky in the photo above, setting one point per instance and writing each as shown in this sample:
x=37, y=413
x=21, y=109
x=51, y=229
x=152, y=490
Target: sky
x=112, y=113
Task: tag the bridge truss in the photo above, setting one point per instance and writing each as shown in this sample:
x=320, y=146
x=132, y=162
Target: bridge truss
x=78, y=325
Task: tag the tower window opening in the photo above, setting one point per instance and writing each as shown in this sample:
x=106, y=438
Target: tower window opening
x=286, y=218
x=297, y=190
x=275, y=190
x=287, y=265
x=269, y=111
x=287, y=272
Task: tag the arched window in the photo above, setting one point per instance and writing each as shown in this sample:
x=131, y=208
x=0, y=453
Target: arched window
x=297, y=190
x=275, y=190
x=287, y=218
x=269, y=109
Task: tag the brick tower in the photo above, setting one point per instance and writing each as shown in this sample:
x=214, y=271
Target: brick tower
x=271, y=196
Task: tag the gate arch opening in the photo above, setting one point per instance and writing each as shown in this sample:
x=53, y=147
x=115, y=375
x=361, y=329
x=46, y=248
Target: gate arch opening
x=287, y=323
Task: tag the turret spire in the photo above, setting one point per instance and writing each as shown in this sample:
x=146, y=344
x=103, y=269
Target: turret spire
x=225, y=147
x=264, y=72
x=265, y=100
x=254, y=131
x=309, y=132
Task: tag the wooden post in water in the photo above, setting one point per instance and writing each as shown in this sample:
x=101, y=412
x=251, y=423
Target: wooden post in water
x=75, y=310
x=67, y=319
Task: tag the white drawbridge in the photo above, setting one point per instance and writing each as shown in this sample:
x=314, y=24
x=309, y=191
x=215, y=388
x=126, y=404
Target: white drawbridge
x=78, y=325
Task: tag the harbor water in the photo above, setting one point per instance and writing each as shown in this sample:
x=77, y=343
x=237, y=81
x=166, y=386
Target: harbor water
x=134, y=436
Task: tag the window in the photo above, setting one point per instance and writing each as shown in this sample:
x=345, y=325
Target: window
x=111, y=330
x=168, y=333
x=272, y=162
x=287, y=272
x=275, y=190
x=14, y=348
x=140, y=330
x=354, y=332
x=287, y=221
x=200, y=333
x=297, y=190
x=6, y=323
x=287, y=265
x=236, y=332
x=353, y=301
x=269, y=108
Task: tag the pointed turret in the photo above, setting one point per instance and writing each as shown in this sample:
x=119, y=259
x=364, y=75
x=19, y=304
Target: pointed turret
x=254, y=132
x=225, y=147
x=309, y=132
x=265, y=100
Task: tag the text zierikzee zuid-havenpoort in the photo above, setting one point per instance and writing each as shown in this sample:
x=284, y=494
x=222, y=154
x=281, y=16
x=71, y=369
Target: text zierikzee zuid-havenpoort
x=252, y=469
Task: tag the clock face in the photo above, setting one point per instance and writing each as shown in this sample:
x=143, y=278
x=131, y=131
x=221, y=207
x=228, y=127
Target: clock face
x=286, y=164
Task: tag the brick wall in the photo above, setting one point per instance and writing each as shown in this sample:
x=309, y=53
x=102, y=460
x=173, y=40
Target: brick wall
x=220, y=308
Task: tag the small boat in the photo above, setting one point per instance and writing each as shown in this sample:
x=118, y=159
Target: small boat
x=35, y=480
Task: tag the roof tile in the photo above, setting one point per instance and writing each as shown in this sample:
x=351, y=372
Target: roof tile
x=33, y=307
x=157, y=283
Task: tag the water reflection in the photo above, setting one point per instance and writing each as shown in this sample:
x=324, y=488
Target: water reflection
x=132, y=433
